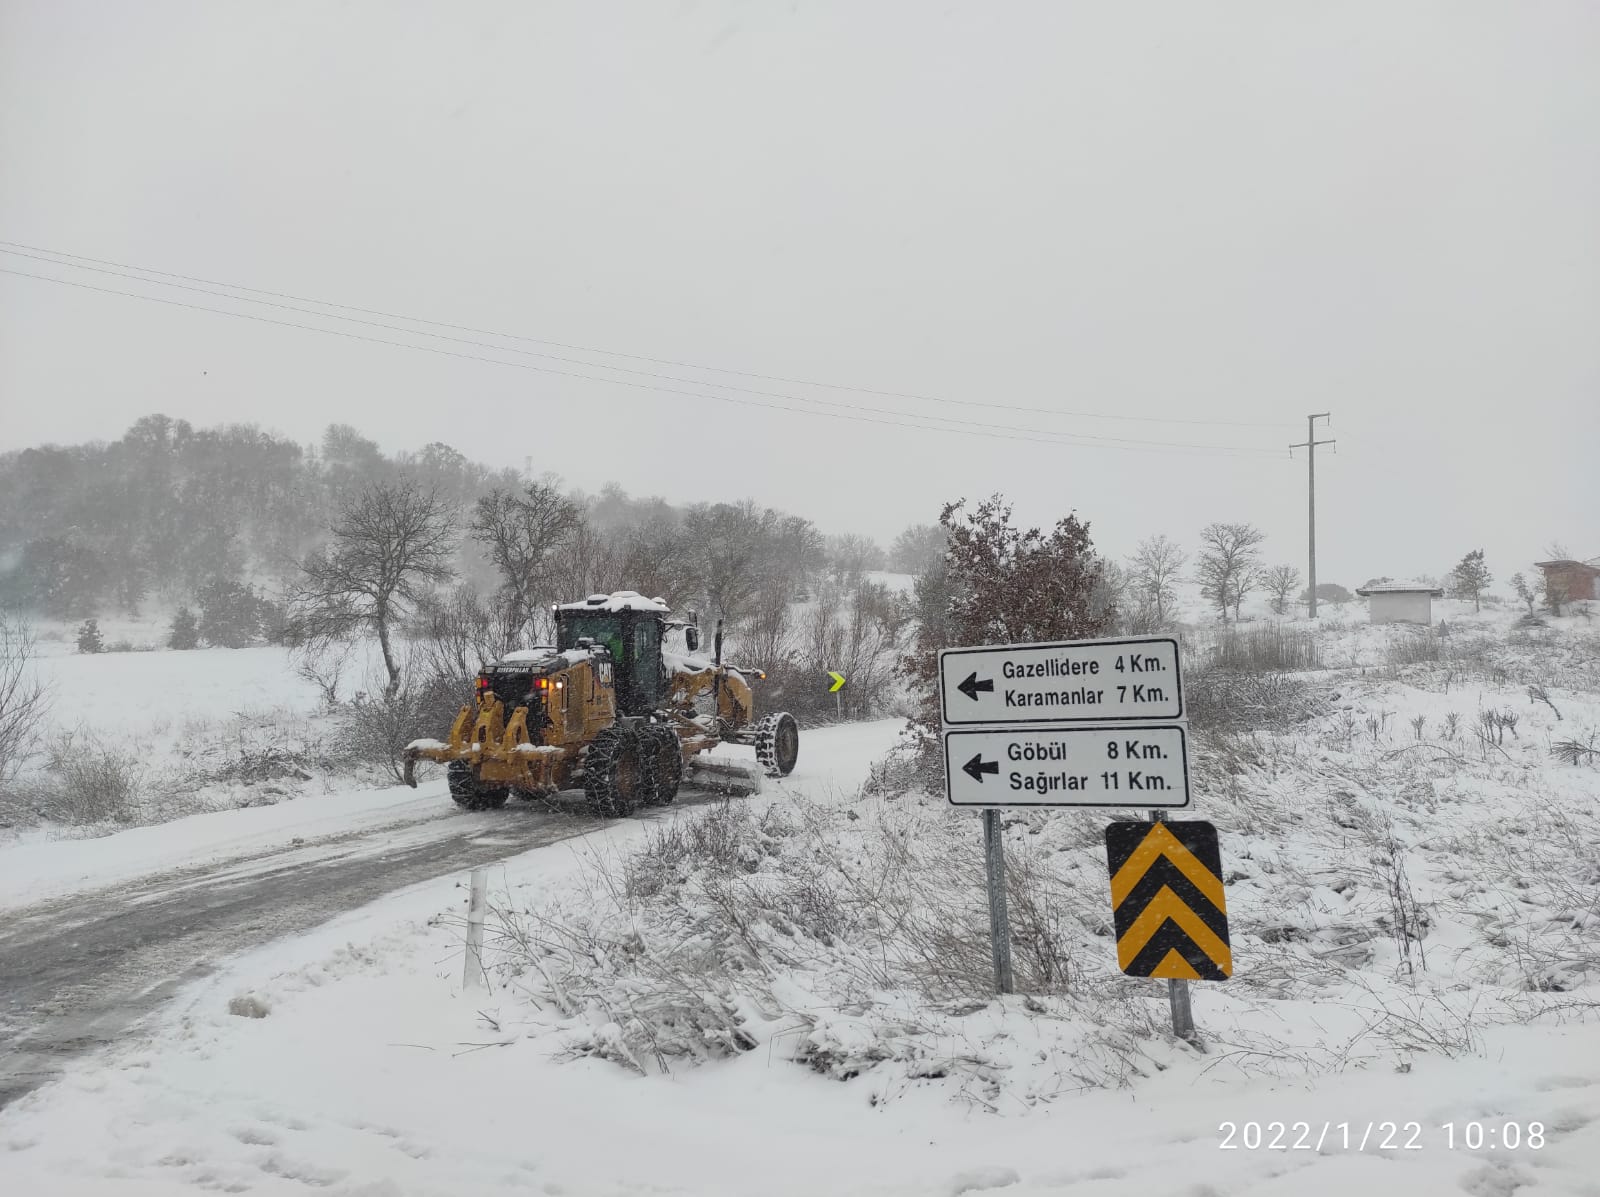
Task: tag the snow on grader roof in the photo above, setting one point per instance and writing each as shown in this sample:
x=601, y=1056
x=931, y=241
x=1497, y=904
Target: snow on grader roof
x=622, y=600
x=528, y=656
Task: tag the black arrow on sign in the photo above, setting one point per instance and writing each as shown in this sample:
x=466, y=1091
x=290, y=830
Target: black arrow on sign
x=972, y=685
x=977, y=767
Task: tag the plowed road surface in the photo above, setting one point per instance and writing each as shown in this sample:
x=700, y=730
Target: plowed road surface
x=76, y=972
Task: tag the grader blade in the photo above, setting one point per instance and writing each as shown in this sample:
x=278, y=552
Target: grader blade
x=723, y=777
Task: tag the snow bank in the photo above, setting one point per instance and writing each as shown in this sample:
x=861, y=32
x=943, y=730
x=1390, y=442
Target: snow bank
x=37, y=869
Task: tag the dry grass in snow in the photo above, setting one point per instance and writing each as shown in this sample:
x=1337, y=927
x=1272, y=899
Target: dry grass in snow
x=1410, y=859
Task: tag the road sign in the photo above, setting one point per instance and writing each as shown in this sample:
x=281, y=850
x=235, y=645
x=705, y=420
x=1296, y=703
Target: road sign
x=1131, y=765
x=838, y=682
x=1080, y=681
x=1168, y=902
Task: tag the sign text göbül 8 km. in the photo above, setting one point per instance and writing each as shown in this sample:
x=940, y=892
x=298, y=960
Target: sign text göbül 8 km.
x=1126, y=766
x=1084, y=681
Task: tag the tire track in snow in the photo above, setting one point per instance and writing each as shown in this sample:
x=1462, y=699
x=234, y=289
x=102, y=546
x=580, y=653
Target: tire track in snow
x=79, y=973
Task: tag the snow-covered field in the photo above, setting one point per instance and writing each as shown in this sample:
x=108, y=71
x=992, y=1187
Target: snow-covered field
x=173, y=734
x=1414, y=915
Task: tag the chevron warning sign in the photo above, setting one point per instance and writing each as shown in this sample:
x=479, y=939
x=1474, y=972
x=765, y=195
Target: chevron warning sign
x=1167, y=900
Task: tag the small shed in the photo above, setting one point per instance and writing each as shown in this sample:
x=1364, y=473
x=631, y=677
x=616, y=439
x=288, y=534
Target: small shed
x=1401, y=602
x=1574, y=581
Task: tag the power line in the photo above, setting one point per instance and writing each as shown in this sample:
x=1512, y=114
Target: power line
x=1046, y=438
x=17, y=245
x=1086, y=436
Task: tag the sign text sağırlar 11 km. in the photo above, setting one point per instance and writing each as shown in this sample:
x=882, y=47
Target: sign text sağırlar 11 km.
x=1125, y=766
x=1083, y=681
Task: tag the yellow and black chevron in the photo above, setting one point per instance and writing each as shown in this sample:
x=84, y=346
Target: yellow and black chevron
x=1167, y=900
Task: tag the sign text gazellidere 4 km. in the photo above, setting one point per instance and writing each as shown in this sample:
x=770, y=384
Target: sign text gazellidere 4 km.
x=1085, y=681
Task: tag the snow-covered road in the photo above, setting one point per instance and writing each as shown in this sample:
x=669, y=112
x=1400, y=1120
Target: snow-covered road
x=100, y=932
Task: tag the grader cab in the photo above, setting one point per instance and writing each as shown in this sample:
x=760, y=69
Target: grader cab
x=610, y=708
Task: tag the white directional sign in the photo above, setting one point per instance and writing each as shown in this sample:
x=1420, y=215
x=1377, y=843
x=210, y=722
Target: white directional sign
x=1139, y=766
x=1080, y=681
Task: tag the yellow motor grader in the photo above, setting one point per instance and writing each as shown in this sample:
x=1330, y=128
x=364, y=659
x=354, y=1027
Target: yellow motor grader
x=611, y=709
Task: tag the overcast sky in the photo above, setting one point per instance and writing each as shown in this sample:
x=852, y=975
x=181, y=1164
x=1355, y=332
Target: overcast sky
x=1221, y=212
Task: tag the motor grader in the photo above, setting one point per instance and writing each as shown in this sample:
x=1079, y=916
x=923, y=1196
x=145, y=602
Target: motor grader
x=611, y=709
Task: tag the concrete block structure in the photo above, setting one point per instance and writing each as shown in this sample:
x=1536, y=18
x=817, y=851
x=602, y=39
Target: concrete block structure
x=1401, y=602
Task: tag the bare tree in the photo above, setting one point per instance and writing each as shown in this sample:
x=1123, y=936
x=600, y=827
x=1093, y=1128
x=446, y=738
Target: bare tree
x=1553, y=590
x=723, y=546
x=323, y=663
x=390, y=543
x=1153, y=572
x=852, y=555
x=1110, y=594
x=652, y=559
x=457, y=633
x=768, y=636
x=851, y=634
x=1229, y=564
x=914, y=548
x=1524, y=592
x=1281, y=583
x=23, y=697
x=587, y=561
x=522, y=530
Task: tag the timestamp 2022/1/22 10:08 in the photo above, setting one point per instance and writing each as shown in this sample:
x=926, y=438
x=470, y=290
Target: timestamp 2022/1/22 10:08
x=1477, y=1135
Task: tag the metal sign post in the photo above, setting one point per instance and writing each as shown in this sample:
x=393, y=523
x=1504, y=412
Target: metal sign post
x=835, y=689
x=1177, y=987
x=994, y=861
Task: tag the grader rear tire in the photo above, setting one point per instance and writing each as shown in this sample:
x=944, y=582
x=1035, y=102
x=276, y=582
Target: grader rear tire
x=778, y=744
x=668, y=763
x=618, y=773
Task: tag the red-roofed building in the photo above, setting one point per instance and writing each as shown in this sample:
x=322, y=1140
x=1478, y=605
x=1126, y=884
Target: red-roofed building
x=1574, y=581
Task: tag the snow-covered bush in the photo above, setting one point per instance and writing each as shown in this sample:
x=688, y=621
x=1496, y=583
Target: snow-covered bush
x=377, y=726
x=842, y=937
x=83, y=781
x=89, y=638
x=1269, y=647
x=185, y=631
x=1393, y=889
x=1221, y=700
x=24, y=699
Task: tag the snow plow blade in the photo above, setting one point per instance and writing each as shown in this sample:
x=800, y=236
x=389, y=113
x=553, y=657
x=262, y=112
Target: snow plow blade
x=723, y=777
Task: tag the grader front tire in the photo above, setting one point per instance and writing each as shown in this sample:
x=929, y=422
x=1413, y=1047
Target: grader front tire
x=778, y=744
x=667, y=763
x=471, y=794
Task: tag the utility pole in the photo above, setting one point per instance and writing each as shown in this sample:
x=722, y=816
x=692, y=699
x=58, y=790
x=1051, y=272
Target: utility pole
x=1310, y=445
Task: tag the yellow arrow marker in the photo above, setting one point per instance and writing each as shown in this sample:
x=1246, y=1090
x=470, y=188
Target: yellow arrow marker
x=1167, y=905
x=838, y=682
x=1161, y=842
